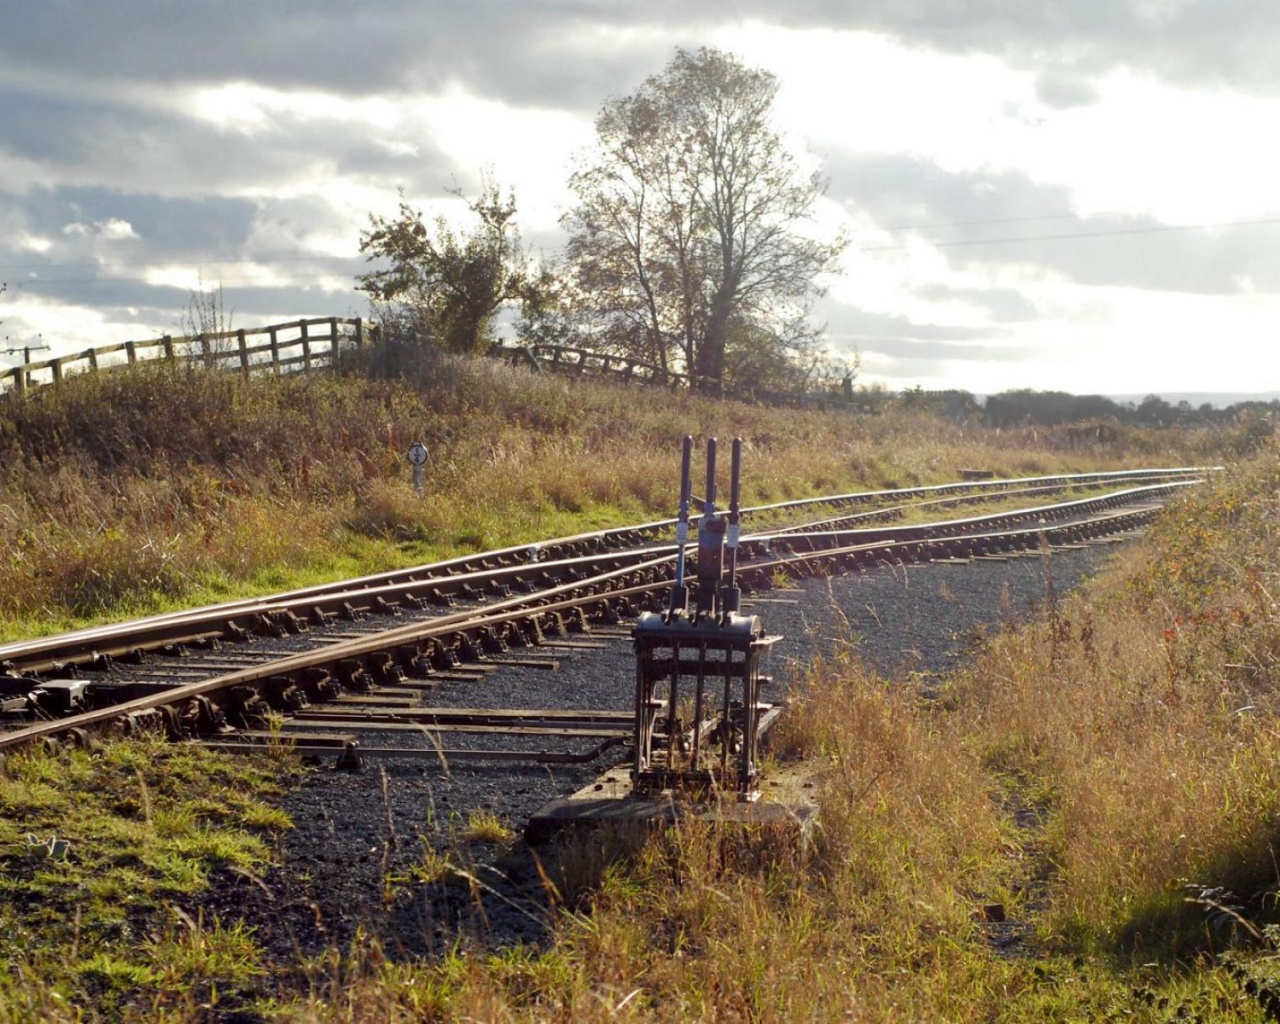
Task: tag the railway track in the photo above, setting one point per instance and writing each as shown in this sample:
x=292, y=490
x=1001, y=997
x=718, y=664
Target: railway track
x=365, y=667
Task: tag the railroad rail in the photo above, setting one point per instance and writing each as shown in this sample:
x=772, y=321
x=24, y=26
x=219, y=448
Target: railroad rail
x=318, y=667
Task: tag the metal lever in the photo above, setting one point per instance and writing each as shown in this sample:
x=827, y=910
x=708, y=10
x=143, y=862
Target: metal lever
x=679, y=592
x=732, y=597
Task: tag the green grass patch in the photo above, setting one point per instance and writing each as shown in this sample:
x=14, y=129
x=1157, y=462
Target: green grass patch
x=94, y=882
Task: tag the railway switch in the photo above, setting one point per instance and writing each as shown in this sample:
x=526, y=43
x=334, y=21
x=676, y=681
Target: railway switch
x=698, y=713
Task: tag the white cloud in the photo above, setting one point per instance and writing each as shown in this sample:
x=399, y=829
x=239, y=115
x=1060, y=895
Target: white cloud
x=202, y=147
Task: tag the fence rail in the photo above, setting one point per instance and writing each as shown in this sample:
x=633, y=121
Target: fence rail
x=314, y=344
x=567, y=359
x=277, y=348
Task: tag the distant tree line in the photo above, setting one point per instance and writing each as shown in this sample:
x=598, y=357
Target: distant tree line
x=1026, y=407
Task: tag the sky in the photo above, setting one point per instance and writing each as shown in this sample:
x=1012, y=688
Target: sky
x=1076, y=196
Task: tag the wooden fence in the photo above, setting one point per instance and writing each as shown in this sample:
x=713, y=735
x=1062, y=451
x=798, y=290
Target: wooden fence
x=278, y=348
x=567, y=359
x=314, y=344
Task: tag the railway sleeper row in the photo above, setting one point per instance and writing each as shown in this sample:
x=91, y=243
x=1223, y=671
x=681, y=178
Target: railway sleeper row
x=255, y=706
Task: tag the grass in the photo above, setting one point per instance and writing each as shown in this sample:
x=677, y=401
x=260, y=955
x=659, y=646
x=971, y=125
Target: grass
x=1106, y=775
x=99, y=849
x=154, y=488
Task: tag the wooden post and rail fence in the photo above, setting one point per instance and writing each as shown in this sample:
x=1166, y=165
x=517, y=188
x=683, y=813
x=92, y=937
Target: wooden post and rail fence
x=305, y=345
x=278, y=348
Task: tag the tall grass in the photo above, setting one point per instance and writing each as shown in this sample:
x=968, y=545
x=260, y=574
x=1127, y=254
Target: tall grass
x=1104, y=778
x=137, y=489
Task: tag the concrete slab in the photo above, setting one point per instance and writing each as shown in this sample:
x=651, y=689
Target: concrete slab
x=788, y=801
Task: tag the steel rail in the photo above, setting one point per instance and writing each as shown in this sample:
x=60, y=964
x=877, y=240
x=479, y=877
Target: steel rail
x=849, y=549
x=543, y=553
x=55, y=653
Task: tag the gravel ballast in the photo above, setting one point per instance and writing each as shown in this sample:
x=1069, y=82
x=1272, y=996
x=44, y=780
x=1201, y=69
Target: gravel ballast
x=386, y=850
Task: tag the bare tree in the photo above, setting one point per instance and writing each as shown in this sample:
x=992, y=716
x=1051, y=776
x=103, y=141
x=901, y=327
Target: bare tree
x=687, y=238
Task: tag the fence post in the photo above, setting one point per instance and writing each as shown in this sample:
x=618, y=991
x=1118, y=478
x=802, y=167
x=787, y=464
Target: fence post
x=333, y=342
x=167, y=342
x=56, y=366
x=131, y=350
x=306, y=346
x=206, y=352
x=275, y=348
x=242, y=345
x=93, y=358
x=359, y=332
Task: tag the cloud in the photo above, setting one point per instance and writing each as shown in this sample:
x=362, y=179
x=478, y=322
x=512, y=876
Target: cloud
x=1001, y=305
x=991, y=219
x=899, y=335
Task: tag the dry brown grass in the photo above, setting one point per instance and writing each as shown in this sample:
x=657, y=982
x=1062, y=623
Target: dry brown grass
x=1085, y=769
x=140, y=489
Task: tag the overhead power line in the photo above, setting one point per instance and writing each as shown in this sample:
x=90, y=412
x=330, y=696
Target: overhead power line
x=273, y=259
x=1066, y=237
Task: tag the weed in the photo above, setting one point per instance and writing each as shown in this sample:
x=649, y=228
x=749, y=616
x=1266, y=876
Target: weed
x=487, y=827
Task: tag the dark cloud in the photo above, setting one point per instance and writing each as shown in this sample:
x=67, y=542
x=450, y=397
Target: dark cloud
x=1002, y=305
x=526, y=53
x=92, y=261
x=999, y=218
x=546, y=51
x=81, y=85
x=901, y=337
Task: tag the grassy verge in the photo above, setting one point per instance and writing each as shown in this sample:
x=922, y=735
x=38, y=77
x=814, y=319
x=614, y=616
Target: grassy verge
x=1104, y=779
x=1079, y=827
x=148, y=489
x=100, y=851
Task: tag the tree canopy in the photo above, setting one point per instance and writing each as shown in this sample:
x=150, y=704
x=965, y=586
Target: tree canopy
x=441, y=284
x=686, y=245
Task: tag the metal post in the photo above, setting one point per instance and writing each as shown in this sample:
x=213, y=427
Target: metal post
x=710, y=542
x=732, y=595
x=679, y=592
x=417, y=455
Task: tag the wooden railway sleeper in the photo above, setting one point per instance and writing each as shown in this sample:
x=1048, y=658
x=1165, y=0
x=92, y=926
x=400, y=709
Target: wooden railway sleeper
x=265, y=625
x=443, y=656
x=525, y=634
x=414, y=660
x=248, y=706
x=384, y=607
x=439, y=598
x=605, y=613
x=284, y=694
x=493, y=640
x=197, y=716
x=321, y=617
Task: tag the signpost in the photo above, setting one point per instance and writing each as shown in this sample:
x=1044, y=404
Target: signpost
x=418, y=457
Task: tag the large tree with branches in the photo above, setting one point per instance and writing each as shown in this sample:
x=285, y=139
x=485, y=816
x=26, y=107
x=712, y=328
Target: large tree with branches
x=689, y=240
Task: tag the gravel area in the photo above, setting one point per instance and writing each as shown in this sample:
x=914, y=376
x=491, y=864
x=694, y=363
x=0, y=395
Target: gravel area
x=370, y=847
